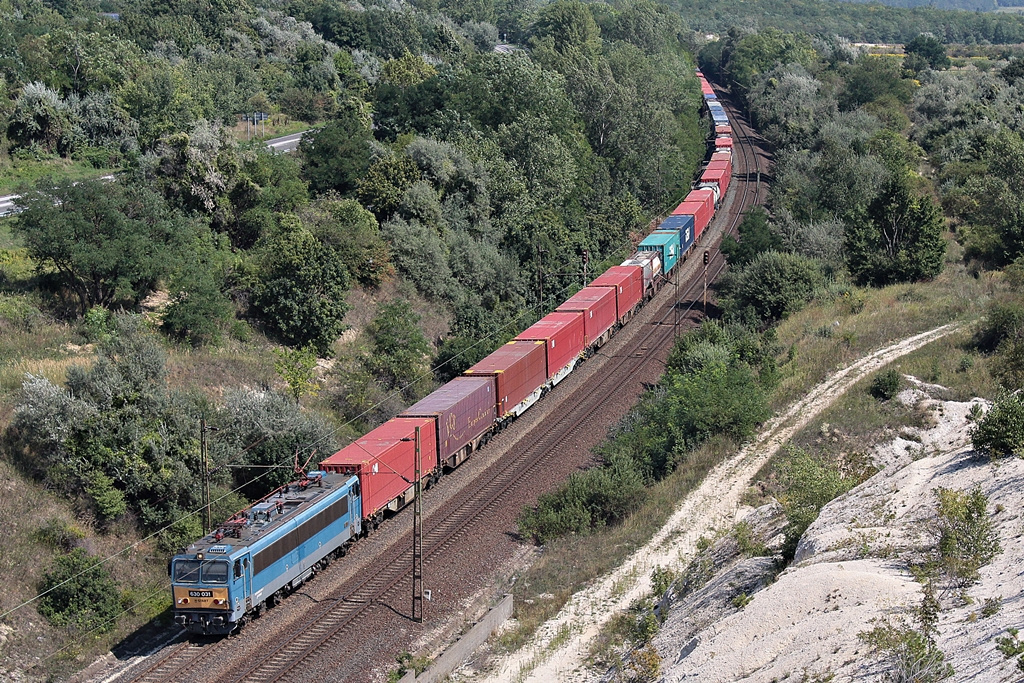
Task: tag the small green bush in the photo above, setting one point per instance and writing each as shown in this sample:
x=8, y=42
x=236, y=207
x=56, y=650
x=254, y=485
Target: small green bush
x=806, y=483
x=78, y=593
x=967, y=538
x=1001, y=432
x=58, y=534
x=886, y=385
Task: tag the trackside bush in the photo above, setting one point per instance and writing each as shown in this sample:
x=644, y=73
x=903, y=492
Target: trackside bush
x=1001, y=431
x=773, y=285
x=715, y=384
x=78, y=593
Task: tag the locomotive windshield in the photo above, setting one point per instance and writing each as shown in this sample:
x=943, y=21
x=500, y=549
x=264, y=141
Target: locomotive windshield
x=193, y=571
x=215, y=572
x=186, y=571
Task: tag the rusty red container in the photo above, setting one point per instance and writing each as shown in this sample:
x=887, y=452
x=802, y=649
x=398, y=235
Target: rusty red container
x=380, y=458
x=723, y=143
x=628, y=283
x=597, y=304
x=724, y=130
x=722, y=155
x=464, y=408
x=519, y=368
x=563, y=336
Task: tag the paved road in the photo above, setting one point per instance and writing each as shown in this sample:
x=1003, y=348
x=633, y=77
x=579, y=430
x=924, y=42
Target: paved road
x=286, y=143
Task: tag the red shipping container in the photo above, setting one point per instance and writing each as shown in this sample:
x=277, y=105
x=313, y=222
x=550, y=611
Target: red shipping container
x=628, y=283
x=701, y=214
x=519, y=368
x=563, y=334
x=724, y=130
x=597, y=304
x=721, y=143
x=465, y=408
x=718, y=176
x=381, y=458
x=724, y=165
x=706, y=196
x=722, y=155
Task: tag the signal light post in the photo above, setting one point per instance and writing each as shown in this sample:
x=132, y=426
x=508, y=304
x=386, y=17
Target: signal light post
x=417, y=537
x=707, y=260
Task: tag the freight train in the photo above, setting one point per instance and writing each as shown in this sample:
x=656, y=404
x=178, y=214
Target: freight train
x=270, y=548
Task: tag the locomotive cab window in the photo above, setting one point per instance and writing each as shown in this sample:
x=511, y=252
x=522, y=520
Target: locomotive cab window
x=186, y=571
x=215, y=572
x=238, y=569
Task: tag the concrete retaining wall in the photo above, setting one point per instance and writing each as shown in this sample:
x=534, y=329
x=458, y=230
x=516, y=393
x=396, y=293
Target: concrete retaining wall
x=466, y=646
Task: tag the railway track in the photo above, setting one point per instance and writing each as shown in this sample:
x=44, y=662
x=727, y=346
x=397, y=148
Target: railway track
x=328, y=625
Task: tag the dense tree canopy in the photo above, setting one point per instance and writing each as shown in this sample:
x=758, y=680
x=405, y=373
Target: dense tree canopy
x=107, y=242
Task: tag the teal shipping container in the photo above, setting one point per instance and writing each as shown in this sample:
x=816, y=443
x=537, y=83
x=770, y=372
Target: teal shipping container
x=665, y=243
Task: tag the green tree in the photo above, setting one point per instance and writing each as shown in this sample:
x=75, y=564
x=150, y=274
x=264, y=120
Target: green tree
x=79, y=593
x=400, y=354
x=773, y=285
x=570, y=26
x=901, y=240
x=755, y=235
x=297, y=367
x=930, y=49
x=107, y=242
x=199, y=309
x=337, y=155
x=301, y=290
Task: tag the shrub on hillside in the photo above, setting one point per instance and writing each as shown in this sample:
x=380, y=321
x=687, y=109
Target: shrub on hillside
x=773, y=285
x=1001, y=431
x=886, y=384
x=78, y=593
x=806, y=483
x=967, y=538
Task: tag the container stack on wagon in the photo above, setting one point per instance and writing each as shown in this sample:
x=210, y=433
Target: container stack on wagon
x=274, y=545
x=628, y=284
x=519, y=369
x=597, y=304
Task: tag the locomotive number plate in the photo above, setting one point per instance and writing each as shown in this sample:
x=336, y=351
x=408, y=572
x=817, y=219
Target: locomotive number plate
x=200, y=594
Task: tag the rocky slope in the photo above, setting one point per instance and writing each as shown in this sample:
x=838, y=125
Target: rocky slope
x=851, y=568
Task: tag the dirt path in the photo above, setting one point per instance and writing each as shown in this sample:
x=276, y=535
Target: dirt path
x=558, y=650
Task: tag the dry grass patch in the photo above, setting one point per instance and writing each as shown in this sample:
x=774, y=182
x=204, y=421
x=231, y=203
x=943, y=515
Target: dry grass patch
x=830, y=334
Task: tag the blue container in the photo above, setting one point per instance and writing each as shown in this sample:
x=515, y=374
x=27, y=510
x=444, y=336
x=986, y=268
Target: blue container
x=682, y=224
x=710, y=96
x=665, y=243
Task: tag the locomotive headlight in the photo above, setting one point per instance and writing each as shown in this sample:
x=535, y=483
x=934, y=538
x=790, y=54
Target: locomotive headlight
x=182, y=601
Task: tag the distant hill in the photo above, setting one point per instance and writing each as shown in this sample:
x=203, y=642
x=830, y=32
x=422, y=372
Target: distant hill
x=968, y=5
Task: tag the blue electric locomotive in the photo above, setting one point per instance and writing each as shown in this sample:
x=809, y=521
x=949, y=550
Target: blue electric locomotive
x=264, y=552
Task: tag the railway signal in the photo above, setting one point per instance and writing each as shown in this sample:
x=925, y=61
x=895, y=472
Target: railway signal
x=707, y=260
